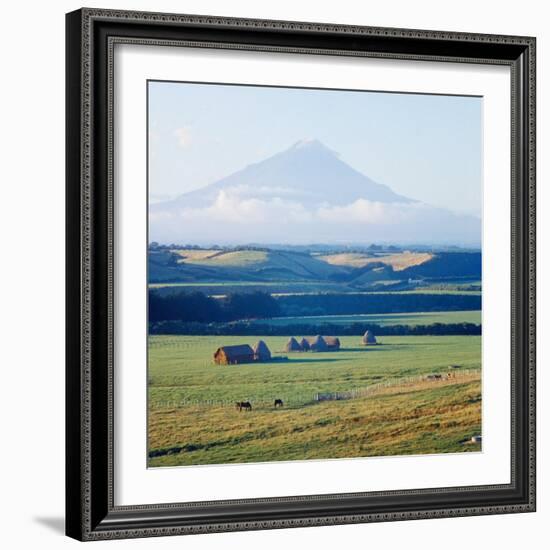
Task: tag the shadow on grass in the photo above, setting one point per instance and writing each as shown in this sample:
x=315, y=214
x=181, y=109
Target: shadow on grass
x=314, y=359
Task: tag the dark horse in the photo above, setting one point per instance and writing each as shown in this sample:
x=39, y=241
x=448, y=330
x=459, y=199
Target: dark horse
x=278, y=403
x=240, y=405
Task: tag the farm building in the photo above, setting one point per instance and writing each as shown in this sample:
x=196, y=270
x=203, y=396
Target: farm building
x=369, y=339
x=333, y=343
x=304, y=344
x=232, y=355
x=317, y=343
x=292, y=345
x=261, y=351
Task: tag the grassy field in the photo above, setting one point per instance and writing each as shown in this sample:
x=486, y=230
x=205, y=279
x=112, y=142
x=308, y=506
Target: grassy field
x=289, y=288
x=411, y=319
x=399, y=261
x=241, y=258
x=192, y=419
x=222, y=288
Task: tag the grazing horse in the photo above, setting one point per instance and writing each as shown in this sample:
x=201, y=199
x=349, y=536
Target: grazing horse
x=240, y=405
x=278, y=403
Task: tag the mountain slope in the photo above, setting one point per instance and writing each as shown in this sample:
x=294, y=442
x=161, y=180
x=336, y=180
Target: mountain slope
x=305, y=194
x=308, y=172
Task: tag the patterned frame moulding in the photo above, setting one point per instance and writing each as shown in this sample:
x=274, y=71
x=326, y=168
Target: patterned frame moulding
x=91, y=513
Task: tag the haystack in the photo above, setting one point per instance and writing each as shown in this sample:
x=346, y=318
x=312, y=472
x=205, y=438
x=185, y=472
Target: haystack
x=318, y=344
x=369, y=338
x=333, y=343
x=292, y=345
x=304, y=344
x=261, y=351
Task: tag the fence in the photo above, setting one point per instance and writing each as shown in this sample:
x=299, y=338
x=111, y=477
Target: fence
x=299, y=401
x=397, y=382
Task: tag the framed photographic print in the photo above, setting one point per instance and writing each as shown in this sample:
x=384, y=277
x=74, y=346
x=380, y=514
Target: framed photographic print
x=300, y=274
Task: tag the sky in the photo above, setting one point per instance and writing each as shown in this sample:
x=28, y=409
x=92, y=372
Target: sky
x=424, y=147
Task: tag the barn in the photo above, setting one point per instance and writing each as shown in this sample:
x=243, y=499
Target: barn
x=233, y=355
x=333, y=343
x=292, y=345
x=317, y=343
x=369, y=339
x=261, y=351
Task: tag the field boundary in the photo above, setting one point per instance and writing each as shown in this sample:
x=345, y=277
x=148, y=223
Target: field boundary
x=400, y=382
x=447, y=379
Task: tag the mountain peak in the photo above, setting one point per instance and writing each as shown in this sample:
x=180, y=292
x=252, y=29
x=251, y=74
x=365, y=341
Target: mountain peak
x=311, y=145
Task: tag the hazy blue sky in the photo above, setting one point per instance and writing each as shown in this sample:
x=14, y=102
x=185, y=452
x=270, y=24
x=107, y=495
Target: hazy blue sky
x=422, y=146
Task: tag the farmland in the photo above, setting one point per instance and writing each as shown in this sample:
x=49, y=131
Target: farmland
x=398, y=261
x=384, y=319
x=336, y=270
x=192, y=419
x=356, y=402
x=286, y=288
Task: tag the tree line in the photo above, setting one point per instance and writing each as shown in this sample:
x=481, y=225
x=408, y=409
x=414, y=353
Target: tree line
x=355, y=329
x=198, y=307
x=350, y=304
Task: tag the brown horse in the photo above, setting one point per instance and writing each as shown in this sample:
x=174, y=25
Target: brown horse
x=278, y=403
x=240, y=405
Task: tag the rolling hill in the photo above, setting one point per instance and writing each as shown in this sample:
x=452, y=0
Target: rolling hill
x=399, y=261
x=262, y=265
x=243, y=265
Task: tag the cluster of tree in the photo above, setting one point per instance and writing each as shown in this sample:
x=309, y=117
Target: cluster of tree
x=448, y=264
x=349, y=304
x=355, y=329
x=198, y=307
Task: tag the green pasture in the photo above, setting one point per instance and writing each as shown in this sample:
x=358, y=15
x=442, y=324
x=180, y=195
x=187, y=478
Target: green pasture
x=385, y=319
x=293, y=288
x=192, y=419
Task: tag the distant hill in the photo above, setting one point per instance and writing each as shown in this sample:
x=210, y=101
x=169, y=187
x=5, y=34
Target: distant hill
x=235, y=265
x=398, y=261
x=257, y=265
x=429, y=267
x=448, y=265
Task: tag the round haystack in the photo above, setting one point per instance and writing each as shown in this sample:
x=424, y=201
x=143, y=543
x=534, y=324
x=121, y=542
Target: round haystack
x=304, y=344
x=369, y=339
x=261, y=351
x=292, y=345
x=318, y=344
x=333, y=342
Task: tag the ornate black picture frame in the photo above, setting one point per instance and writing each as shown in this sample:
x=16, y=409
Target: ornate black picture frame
x=90, y=510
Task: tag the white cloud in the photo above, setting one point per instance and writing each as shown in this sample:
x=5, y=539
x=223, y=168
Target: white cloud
x=368, y=212
x=184, y=136
x=232, y=205
x=229, y=207
x=234, y=218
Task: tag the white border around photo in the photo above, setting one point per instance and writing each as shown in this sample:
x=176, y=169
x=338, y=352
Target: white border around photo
x=134, y=482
